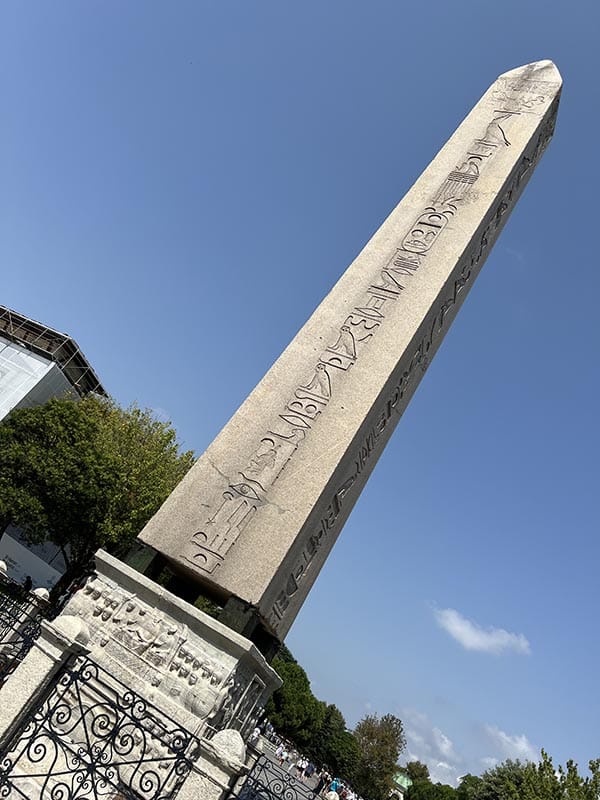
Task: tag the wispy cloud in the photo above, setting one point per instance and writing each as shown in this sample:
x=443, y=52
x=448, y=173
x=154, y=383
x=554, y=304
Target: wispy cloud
x=160, y=414
x=518, y=255
x=428, y=744
x=511, y=746
x=473, y=637
x=489, y=762
x=425, y=742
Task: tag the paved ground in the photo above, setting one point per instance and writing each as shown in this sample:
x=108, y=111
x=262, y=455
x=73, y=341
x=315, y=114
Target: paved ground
x=275, y=772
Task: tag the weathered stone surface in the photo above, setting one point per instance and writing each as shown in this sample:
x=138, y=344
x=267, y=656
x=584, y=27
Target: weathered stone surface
x=187, y=672
x=259, y=512
x=229, y=748
x=197, y=670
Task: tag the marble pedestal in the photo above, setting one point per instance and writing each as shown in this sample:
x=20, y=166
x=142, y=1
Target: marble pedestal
x=205, y=675
x=201, y=675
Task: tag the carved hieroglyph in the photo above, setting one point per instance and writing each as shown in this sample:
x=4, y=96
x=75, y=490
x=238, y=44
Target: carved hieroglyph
x=260, y=510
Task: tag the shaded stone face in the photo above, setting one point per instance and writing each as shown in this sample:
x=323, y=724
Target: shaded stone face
x=257, y=515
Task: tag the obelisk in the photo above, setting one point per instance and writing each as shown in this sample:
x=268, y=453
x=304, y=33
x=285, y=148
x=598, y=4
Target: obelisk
x=255, y=518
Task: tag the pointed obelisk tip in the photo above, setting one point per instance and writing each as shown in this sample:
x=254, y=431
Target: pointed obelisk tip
x=544, y=70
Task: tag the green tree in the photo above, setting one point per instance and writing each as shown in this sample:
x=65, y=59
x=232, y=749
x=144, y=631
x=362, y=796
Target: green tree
x=416, y=771
x=514, y=780
x=380, y=742
x=284, y=654
x=503, y=782
x=423, y=789
x=293, y=709
x=468, y=787
x=334, y=745
x=543, y=782
x=86, y=474
x=315, y=727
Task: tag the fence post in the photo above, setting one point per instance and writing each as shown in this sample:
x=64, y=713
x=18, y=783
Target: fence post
x=217, y=770
x=24, y=687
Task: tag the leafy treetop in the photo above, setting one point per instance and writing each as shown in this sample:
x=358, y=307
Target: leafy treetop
x=86, y=474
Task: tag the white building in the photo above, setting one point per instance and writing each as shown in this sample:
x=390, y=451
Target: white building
x=37, y=363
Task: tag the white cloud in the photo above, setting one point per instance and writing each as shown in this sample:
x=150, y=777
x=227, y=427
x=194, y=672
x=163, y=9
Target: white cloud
x=428, y=744
x=447, y=764
x=489, y=762
x=443, y=743
x=511, y=746
x=473, y=637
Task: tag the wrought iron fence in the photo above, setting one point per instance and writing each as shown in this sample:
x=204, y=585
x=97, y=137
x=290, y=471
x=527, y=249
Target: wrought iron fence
x=92, y=737
x=21, y=615
x=268, y=781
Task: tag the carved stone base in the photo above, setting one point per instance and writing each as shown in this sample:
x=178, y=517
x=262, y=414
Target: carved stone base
x=133, y=688
x=203, y=674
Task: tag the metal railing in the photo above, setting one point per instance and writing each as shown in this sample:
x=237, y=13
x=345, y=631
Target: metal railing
x=91, y=736
x=21, y=615
x=268, y=781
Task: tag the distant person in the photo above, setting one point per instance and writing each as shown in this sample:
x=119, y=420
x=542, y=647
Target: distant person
x=27, y=584
x=324, y=779
x=309, y=769
x=255, y=735
x=301, y=765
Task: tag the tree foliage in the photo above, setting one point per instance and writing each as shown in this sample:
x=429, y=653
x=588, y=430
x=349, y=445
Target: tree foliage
x=366, y=758
x=504, y=781
x=86, y=474
x=423, y=789
x=514, y=780
x=318, y=729
x=468, y=787
x=416, y=771
x=380, y=741
x=293, y=709
x=334, y=745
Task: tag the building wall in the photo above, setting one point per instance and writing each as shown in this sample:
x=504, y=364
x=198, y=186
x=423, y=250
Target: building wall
x=52, y=384
x=44, y=563
x=26, y=380
x=20, y=372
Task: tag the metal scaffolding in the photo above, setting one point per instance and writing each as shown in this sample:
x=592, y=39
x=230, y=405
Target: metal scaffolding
x=55, y=346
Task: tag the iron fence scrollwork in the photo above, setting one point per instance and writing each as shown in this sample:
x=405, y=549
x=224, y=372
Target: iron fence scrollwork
x=21, y=615
x=94, y=737
x=268, y=781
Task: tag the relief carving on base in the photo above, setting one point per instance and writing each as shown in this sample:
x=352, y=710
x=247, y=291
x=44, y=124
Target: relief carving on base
x=229, y=701
x=156, y=648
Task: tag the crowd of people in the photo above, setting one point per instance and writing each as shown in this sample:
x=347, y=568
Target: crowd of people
x=303, y=769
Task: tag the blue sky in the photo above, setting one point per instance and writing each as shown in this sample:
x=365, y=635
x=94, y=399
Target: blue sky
x=181, y=185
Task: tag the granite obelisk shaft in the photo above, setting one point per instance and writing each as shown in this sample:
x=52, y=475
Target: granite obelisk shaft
x=257, y=515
